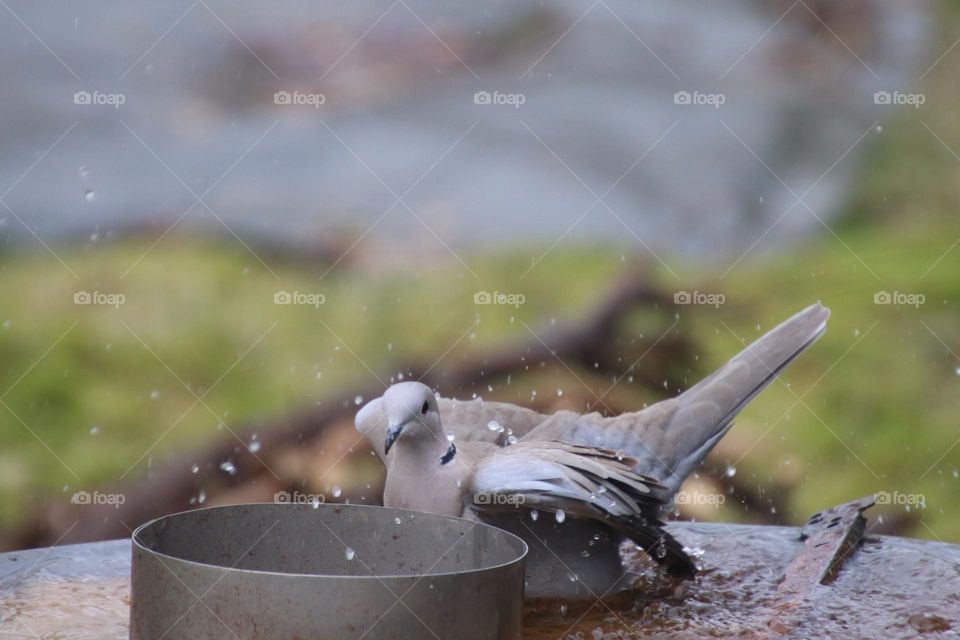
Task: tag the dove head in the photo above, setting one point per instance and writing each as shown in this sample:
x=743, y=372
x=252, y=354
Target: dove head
x=412, y=413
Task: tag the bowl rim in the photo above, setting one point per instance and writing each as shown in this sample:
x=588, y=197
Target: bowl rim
x=524, y=549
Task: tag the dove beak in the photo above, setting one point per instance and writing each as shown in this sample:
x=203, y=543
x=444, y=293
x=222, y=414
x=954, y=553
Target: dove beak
x=393, y=432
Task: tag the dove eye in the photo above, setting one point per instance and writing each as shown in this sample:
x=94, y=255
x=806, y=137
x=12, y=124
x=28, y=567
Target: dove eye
x=425, y=407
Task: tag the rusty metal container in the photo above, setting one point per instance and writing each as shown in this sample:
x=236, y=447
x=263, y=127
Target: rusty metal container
x=272, y=571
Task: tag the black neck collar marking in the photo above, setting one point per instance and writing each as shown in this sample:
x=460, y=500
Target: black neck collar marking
x=448, y=456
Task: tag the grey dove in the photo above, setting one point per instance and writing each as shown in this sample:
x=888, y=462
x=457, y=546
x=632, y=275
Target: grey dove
x=573, y=486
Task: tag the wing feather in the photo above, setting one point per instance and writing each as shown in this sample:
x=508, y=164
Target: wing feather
x=584, y=482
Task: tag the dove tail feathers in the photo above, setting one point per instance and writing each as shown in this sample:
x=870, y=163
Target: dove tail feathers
x=726, y=391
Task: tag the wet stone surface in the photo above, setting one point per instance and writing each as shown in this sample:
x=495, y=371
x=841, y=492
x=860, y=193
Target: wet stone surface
x=888, y=588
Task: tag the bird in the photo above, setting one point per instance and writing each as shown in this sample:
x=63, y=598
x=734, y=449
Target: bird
x=574, y=486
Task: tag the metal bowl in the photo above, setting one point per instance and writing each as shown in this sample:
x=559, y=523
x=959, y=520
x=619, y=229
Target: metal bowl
x=325, y=571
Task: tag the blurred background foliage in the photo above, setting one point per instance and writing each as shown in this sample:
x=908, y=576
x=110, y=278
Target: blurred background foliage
x=96, y=396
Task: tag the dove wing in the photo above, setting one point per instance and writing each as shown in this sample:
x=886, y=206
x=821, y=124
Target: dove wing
x=583, y=482
x=670, y=438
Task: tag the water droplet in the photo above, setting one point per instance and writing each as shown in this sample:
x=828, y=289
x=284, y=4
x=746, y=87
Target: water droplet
x=83, y=171
x=493, y=425
x=731, y=471
x=89, y=195
x=512, y=440
x=619, y=454
x=229, y=467
x=202, y=496
x=451, y=437
x=563, y=609
x=560, y=392
x=560, y=515
x=584, y=554
x=336, y=491
x=573, y=577
x=396, y=521
x=660, y=550
x=316, y=502
x=94, y=430
x=195, y=468
x=349, y=554
x=358, y=400
x=154, y=394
